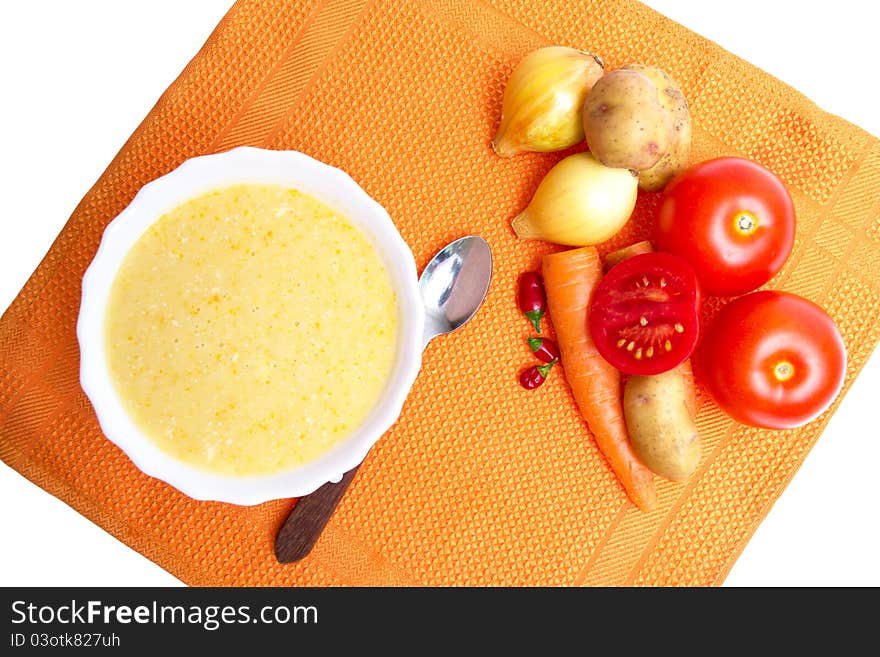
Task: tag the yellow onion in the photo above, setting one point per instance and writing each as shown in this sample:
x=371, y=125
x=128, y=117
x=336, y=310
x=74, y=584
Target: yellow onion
x=579, y=202
x=541, y=109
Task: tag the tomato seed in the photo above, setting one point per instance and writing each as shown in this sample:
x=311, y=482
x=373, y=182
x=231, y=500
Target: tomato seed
x=679, y=328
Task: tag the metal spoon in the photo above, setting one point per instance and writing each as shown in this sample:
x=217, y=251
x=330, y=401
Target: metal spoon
x=453, y=286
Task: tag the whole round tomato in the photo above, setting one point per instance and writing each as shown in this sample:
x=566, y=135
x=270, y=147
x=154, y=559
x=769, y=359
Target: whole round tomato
x=644, y=316
x=731, y=219
x=772, y=359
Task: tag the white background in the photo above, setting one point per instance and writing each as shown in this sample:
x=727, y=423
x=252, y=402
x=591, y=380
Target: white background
x=77, y=79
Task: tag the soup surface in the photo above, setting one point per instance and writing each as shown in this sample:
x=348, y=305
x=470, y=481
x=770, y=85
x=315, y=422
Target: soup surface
x=250, y=330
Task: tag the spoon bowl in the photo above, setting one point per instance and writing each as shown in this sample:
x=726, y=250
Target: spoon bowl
x=454, y=284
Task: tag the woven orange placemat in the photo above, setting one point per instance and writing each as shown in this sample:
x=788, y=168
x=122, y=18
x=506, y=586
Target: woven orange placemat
x=479, y=482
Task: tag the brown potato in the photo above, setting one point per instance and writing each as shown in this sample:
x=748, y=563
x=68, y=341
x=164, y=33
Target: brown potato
x=673, y=100
x=661, y=429
x=625, y=122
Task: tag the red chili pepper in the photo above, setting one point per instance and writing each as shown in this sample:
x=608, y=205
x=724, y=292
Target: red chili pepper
x=535, y=375
x=545, y=350
x=530, y=297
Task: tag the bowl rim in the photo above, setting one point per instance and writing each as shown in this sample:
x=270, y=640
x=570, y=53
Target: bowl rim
x=200, y=174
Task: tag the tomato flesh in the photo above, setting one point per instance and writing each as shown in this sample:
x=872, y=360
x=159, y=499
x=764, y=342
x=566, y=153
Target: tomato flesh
x=772, y=359
x=644, y=314
x=731, y=219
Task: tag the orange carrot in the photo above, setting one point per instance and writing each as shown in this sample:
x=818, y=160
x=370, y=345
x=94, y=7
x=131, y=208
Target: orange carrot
x=570, y=277
x=627, y=252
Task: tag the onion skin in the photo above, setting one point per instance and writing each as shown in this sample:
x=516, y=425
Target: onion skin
x=580, y=202
x=541, y=109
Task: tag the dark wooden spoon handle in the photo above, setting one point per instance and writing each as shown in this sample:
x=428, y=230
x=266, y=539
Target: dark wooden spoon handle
x=306, y=521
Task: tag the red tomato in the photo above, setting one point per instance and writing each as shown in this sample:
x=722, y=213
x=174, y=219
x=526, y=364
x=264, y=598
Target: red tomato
x=644, y=314
x=772, y=359
x=732, y=219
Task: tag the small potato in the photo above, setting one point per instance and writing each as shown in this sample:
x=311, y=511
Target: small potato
x=661, y=429
x=625, y=122
x=675, y=160
x=677, y=157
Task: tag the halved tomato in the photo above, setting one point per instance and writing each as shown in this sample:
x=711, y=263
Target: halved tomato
x=644, y=316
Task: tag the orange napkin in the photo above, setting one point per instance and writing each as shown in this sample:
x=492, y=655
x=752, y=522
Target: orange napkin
x=479, y=482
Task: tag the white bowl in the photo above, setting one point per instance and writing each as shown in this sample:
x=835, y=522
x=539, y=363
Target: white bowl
x=194, y=177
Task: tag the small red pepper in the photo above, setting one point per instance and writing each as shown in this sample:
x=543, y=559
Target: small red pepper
x=535, y=375
x=545, y=350
x=530, y=297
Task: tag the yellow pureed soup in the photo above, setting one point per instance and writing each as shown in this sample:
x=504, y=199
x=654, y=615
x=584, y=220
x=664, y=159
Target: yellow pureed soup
x=250, y=330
